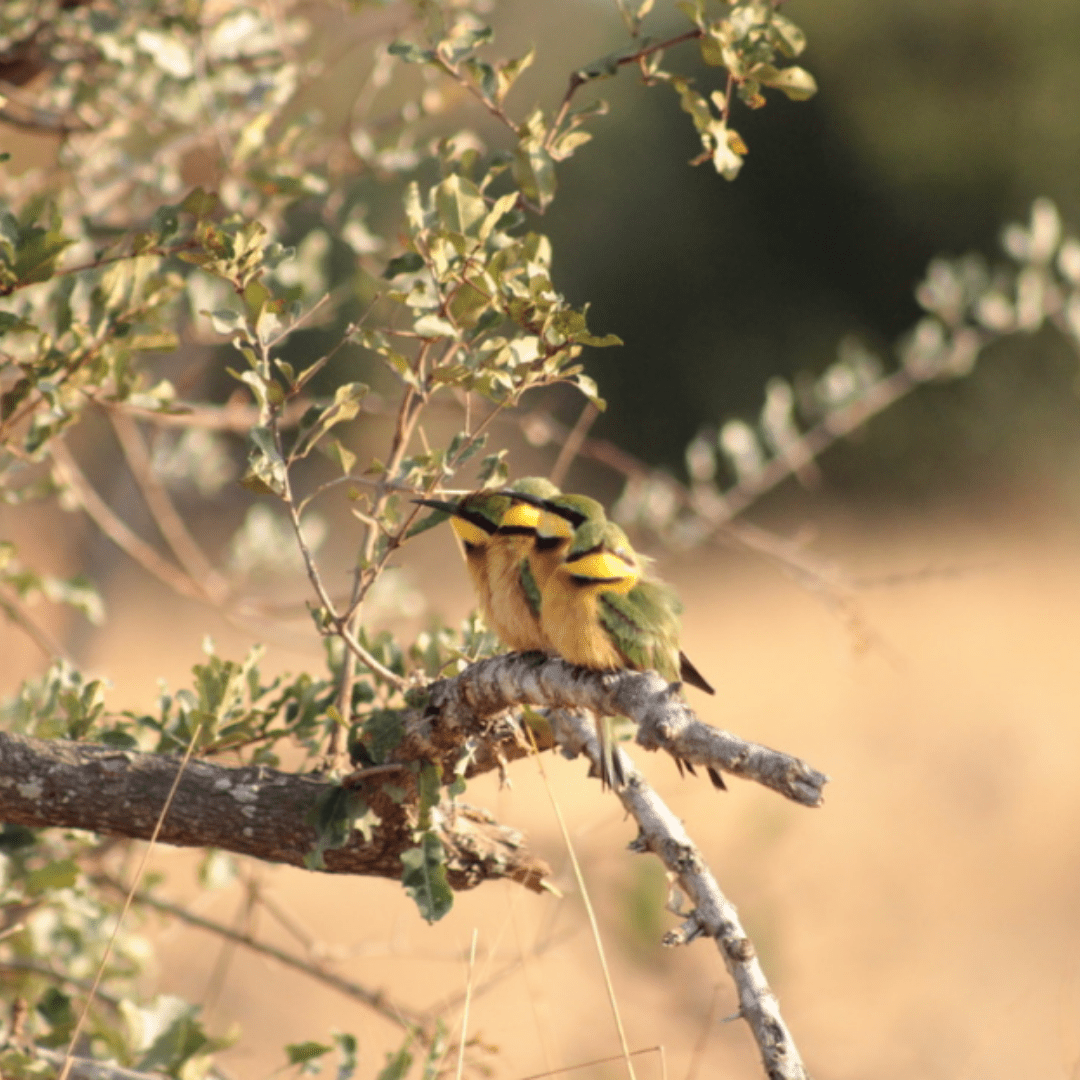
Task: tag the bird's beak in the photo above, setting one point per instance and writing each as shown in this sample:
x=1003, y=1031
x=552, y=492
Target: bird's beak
x=438, y=504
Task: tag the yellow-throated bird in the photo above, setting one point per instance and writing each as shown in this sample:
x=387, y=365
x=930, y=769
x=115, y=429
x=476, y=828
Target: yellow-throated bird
x=496, y=530
x=598, y=609
x=515, y=593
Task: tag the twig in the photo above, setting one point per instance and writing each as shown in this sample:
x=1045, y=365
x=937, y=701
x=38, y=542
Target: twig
x=233, y=416
x=60, y=977
x=398, y=1014
x=468, y=1002
x=572, y=446
x=340, y=623
x=106, y=260
x=590, y=1064
x=80, y=1068
x=171, y=526
x=703, y=1038
x=18, y=614
x=116, y=530
x=125, y=907
x=838, y=423
x=590, y=911
x=578, y=80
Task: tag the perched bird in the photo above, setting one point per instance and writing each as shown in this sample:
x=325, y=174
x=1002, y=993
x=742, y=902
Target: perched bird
x=576, y=520
x=515, y=593
x=496, y=530
x=598, y=609
x=559, y=516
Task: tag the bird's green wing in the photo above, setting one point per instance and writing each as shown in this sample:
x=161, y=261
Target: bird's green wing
x=529, y=586
x=644, y=627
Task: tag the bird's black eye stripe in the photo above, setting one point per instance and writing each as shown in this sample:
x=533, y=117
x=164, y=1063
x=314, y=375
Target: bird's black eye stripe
x=573, y=556
x=477, y=519
x=574, y=517
x=582, y=581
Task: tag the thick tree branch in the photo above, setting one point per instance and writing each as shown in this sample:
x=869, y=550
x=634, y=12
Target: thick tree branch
x=253, y=811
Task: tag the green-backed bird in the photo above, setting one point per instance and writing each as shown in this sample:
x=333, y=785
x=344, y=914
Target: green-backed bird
x=496, y=530
x=598, y=609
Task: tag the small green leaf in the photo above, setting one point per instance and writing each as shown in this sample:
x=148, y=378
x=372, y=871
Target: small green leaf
x=305, y=1052
x=200, y=203
x=796, y=82
x=266, y=473
x=347, y=1050
x=225, y=321
x=55, y=1009
x=589, y=388
x=429, y=783
x=792, y=40
x=409, y=263
x=493, y=470
x=61, y=874
x=345, y=457
x=183, y=1039
x=398, y=1063
x=334, y=818
x=434, y=326
x=424, y=877
x=459, y=205
x=534, y=172
x=345, y=406
x=383, y=732
x=409, y=52
x=507, y=74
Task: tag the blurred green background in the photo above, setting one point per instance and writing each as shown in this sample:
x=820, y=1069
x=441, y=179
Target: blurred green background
x=936, y=123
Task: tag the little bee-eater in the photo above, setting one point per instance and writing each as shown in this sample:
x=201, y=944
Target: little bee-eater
x=599, y=611
x=561, y=515
x=515, y=594
x=496, y=530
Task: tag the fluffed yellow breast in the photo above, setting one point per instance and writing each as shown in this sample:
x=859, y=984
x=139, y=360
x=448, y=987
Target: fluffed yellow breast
x=512, y=616
x=569, y=618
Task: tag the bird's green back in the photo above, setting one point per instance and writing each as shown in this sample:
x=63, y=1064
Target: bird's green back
x=538, y=487
x=644, y=626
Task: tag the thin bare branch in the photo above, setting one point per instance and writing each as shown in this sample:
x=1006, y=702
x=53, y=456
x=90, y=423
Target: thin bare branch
x=171, y=526
x=80, y=1068
x=60, y=977
x=578, y=80
x=572, y=446
x=664, y=720
x=13, y=606
x=234, y=416
x=377, y=1000
x=116, y=530
x=713, y=915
